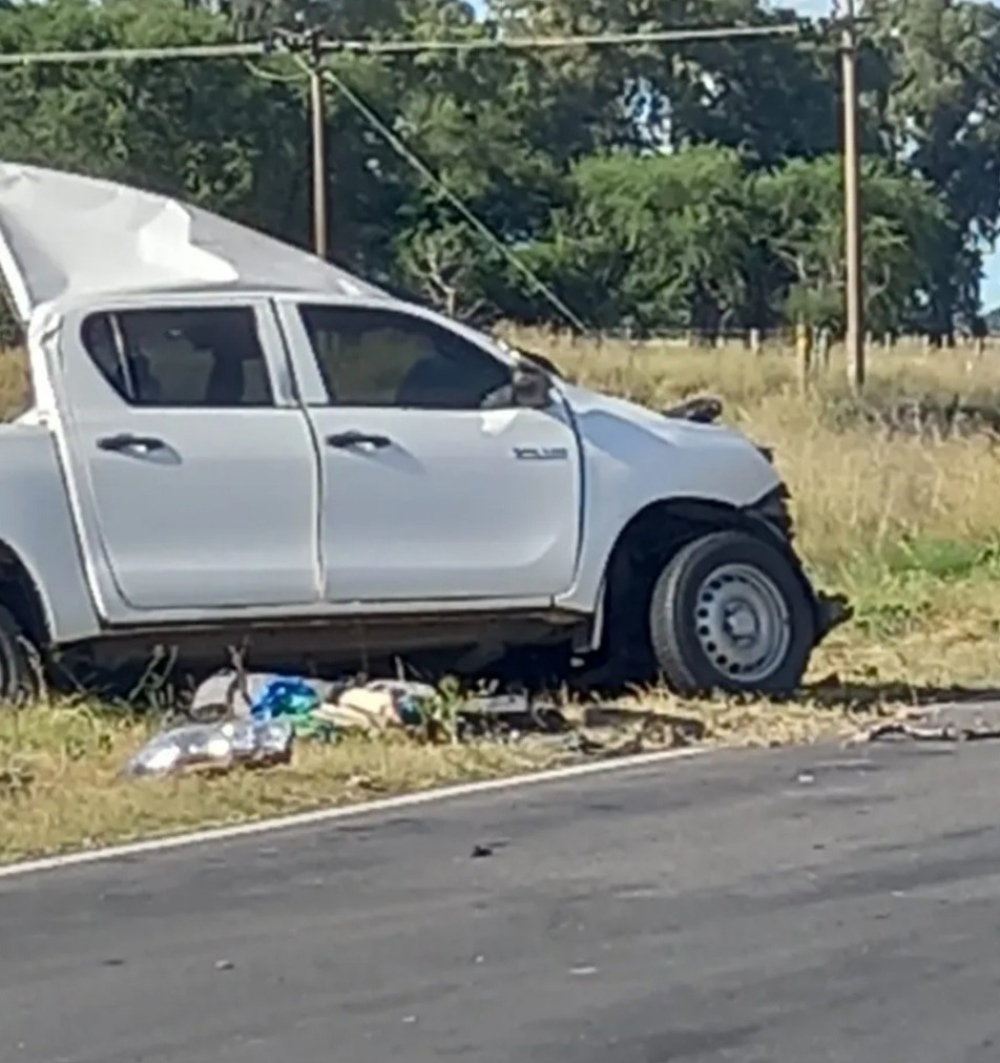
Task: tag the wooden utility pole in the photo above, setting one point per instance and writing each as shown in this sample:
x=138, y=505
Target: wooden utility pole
x=854, y=252
x=317, y=97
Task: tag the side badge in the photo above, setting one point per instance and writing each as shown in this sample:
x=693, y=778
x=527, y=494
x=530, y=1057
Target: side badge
x=541, y=453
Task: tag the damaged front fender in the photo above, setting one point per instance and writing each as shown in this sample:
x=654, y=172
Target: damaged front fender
x=830, y=610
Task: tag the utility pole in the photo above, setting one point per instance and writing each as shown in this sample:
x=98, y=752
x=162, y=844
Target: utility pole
x=854, y=253
x=317, y=94
x=309, y=46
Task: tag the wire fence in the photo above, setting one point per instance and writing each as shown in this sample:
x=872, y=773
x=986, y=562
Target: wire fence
x=763, y=341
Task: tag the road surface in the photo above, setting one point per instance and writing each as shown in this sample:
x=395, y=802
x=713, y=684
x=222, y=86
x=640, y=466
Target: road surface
x=772, y=907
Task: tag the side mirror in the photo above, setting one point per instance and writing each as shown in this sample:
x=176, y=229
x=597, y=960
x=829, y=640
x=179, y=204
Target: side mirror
x=532, y=387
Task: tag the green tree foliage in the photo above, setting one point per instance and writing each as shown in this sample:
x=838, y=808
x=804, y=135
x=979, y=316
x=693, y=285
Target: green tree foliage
x=690, y=185
x=941, y=117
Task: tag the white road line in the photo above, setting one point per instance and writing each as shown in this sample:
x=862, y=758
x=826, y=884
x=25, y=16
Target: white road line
x=331, y=815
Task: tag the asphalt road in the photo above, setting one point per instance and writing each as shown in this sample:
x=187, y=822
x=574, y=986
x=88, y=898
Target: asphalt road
x=787, y=907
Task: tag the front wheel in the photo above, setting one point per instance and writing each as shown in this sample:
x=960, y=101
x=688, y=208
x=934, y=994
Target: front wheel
x=729, y=612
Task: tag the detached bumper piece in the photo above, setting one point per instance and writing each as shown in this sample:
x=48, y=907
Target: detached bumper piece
x=703, y=409
x=832, y=610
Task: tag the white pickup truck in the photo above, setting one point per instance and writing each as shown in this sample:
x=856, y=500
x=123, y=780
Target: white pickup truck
x=232, y=442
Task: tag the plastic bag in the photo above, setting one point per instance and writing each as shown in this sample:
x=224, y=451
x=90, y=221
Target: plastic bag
x=221, y=746
x=257, y=694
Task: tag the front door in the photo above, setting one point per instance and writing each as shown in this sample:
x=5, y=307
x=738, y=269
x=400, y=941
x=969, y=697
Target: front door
x=196, y=480
x=426, y=493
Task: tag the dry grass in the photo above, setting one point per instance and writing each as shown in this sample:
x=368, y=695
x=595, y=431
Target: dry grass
x=62, y=788
x=909, y=528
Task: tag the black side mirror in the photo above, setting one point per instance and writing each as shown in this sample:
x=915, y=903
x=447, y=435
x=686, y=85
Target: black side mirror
x=531, y=386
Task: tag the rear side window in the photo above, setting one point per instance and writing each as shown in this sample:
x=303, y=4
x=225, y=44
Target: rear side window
x=181, y=357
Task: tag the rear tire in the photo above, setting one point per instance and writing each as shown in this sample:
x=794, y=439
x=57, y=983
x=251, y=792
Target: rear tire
x=18, y=678
x=729, y=612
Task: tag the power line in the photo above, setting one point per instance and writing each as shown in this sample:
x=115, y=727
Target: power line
x=113, y=55
x=596, y=40
x=405, y=47
x=410, y=156
x=312, y=47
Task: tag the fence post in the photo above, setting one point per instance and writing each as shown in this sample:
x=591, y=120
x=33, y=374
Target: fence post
x=803, y=352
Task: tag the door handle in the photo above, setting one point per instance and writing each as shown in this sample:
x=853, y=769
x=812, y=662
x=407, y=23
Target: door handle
x=353, y=438
x=128, y=441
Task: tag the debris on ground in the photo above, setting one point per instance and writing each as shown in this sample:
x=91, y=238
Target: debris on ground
x=970, y=721
x=237, y=694
x=249, y=719
x=215, y=747
x=702, y=409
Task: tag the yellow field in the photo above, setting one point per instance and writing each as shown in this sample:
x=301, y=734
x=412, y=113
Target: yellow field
x=909, y=528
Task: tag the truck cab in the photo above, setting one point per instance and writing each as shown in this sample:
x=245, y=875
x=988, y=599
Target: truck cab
x=235, y=443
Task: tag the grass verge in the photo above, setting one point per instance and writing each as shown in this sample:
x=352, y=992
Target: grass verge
x=910, y=528
x=61, y=783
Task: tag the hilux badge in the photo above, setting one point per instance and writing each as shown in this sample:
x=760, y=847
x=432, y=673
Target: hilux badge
x=541, y=453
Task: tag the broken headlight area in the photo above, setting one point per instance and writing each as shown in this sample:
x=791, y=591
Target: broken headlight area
x=774, y=509
x=831, y=610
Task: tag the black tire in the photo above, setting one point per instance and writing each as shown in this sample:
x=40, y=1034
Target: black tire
x=692, y=618
x=18, y=678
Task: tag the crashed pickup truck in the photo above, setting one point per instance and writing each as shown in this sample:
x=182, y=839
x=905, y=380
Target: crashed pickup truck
x=234, y=443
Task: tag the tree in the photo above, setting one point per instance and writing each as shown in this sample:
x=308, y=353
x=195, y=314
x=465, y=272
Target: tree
x=660, y=241
x=772, y=98
x=905, y=227
x=941, y=117
x=201, y=130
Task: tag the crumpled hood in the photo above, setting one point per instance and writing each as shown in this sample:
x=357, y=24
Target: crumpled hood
x=630, y=448
x=673, y=429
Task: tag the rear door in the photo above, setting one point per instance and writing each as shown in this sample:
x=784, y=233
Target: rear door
x=192, y=466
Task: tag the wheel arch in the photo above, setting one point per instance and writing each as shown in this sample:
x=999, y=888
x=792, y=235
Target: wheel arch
x=661, y=528
x=20, y=593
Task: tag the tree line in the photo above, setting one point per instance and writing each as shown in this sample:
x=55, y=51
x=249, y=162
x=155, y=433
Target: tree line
x=692, y=185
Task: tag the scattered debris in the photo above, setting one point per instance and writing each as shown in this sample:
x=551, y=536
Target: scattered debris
x=236, y=694
x=901, y=729
x=215, y=747
x=950, y=722
x=702, y=409
x=251, y=719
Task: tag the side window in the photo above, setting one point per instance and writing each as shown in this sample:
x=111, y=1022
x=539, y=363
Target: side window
x=181, y=357
x=387, y=358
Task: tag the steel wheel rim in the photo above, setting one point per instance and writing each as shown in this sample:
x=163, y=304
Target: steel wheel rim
x=742, y=622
